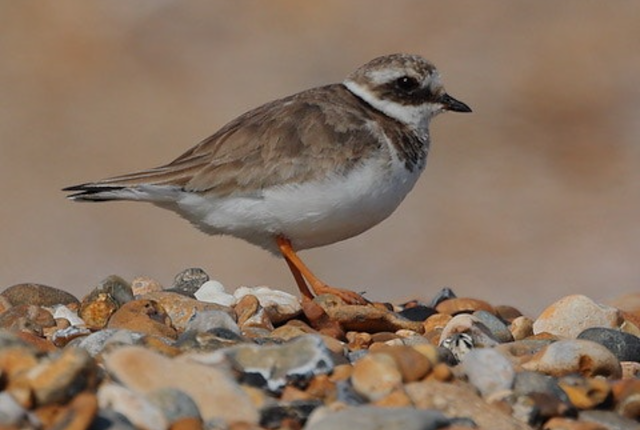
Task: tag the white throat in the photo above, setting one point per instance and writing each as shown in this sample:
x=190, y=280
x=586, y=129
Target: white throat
x=416, y=117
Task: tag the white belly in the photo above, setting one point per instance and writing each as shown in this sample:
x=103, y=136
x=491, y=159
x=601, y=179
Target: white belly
x=310, y=214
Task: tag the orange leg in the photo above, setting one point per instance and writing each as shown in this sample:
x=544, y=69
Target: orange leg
x=301, y=273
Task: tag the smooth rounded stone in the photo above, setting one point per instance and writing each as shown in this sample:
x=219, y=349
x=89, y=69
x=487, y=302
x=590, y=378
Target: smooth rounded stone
x=38, y=295
x=142, y=285
x=575, y=356
x=273, y=366
x=279, y=305
x=498, y=329
x=521, y=328
x=412, y=364
x=458, y=305
x=608, y=420
x=117, y=288
x=373, y=418
x=182, y=308
x=459, y=400
x=585, y=393
x=275, y=415
x=216, y=394
x=144, y=316
x=625, y=346
x=62, y=376
x=27, y=318
x=212, y=320
x=189, y=281
x=375, y=376
x=507, y=313
x=97, y=342
x=527, y=383
x=11, y=412
x=138, y=410
x=365, y=318
x=175, y=404
x=571, y=315
x=417, y=313
x=214, y=292
x=488, y=371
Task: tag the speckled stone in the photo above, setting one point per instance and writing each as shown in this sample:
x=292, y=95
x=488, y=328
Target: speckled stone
x=144, y=316
x=38, y=295
x=575, y=356
x=625, y=346
x=27, y=318
x=571, y=315
x=189, y=281
x=145, y=371
x=142, y=285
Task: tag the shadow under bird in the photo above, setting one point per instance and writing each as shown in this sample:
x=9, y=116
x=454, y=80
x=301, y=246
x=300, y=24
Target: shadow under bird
x=307, y=170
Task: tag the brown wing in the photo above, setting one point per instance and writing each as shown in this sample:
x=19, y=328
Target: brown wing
x=303, y=137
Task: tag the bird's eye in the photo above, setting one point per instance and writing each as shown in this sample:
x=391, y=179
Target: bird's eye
x=407, y=83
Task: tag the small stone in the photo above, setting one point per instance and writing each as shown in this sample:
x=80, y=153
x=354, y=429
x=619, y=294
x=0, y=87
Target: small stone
x=521, y=328
x=214, y=292
x=96, y=309
x=376, y=376
x=144, y=316
x=175, y=404
x=97, y=342
x=27, y=318
x=460, y=305
x=138, y=369
x=189, y=281
x=273, y=366
x=209, y=321
x=37, y=295
x=527, y=383
x=64, y=312
x=139, y=410
x=412, y=365
x=365, y=318
x=417, y=313
x=251, y=314
x=279, y=305
x=182, y=308
x=489, y=371
x=585, y=393
x=625, y=346
x=571, y=315
x=143, y=285
x=507, y=313
x=62, y=337
x=62, y=376
x=461, y=401
x=498, y=329
x=372, y=418
x=575, y=356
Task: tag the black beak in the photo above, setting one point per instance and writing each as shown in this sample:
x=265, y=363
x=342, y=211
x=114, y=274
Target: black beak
x=449, y=103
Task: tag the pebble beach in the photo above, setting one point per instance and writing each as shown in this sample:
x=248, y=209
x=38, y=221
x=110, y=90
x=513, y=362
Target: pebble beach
x=135, y=354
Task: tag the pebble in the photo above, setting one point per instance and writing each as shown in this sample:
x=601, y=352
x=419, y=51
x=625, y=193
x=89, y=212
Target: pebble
x=370, y=418
x=273, y=366
x=181, y=308
x=625, y=346
x=489, y=371
x=143, y=357
x=279, y=305
x=575, y=356
x=38, y=295
x=214, y=292
x=571, y=315
x=189, y=281
x=215, y=393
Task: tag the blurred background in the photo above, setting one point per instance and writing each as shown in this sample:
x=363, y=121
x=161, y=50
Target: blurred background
x=533, y=196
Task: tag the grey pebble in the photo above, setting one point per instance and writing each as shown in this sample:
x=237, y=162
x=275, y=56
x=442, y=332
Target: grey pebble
x=488, y=370
x=372, y=418
x=175, y=404
x=498, y=328
x=209, y=320
x=189, y=281
x=625, y=346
